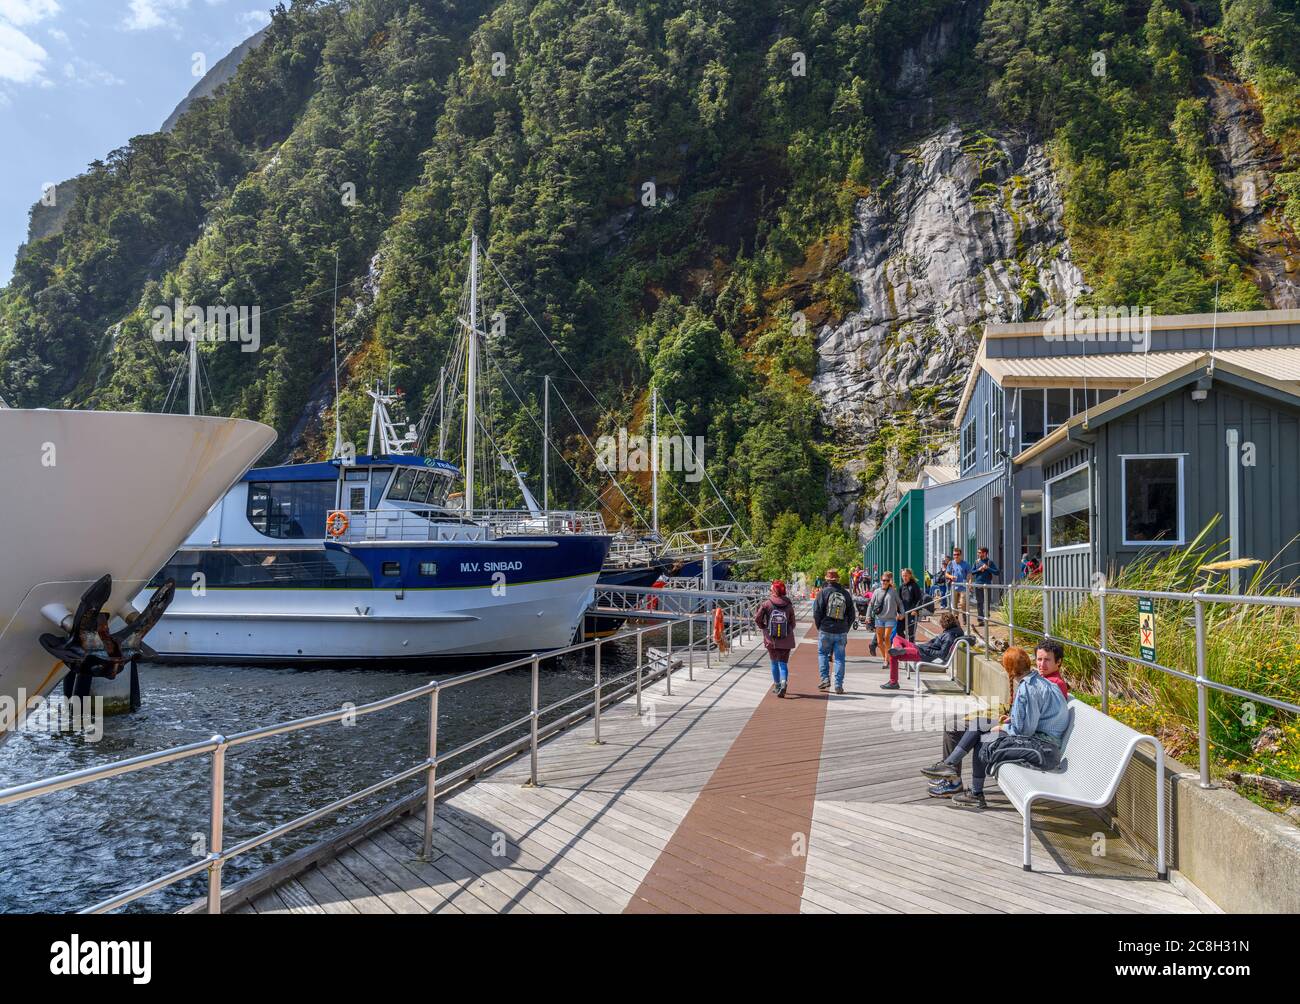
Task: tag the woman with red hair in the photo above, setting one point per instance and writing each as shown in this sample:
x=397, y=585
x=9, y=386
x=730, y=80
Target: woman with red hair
x=775, y=618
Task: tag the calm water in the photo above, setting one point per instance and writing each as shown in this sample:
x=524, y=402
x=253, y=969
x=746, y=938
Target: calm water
x=66, y=851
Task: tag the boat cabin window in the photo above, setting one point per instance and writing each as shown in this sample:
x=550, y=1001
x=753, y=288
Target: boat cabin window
x=290, y=509
x=413, y=484
x=378, y=481
x=305, y=568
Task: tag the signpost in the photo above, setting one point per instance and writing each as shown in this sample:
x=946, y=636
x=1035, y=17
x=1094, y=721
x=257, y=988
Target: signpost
x=1147, y=628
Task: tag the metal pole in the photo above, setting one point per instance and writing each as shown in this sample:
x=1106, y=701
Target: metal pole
x=216, y=823
x=1011, y=614
x=690, y=648
x=639, y=633
x=668, y=633
x=987, y=594
x=532, y=725
x=431, y=775
x=708, y=637
x=596, y=740
x=546, y=444
x=1103, y=645
x=1202, y=692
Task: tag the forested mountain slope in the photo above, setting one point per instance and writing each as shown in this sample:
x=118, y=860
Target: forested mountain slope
x=792, y=289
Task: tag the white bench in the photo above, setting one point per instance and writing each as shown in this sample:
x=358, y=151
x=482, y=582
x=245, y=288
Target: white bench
x=965, y=641
x=1097, y=749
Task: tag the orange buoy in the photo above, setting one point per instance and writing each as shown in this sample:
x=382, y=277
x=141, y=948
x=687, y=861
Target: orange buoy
x=719, y=629
x=336, y=523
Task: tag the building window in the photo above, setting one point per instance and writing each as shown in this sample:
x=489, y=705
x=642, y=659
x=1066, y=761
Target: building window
x=1031, y=417
x=968, y=447
x=999, y=422
x=290, y=509
x=1058, y=407
x=1153, y=500
x=1067, y=511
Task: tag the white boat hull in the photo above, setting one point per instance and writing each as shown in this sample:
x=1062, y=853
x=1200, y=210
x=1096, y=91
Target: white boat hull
x=251, y=625
x=85, y=493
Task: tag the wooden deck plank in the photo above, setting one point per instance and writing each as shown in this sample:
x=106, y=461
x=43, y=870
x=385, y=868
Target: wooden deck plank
x=722, y=798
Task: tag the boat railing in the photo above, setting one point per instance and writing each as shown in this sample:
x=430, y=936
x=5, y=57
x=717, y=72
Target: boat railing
x=413, y=525
x=707, y=634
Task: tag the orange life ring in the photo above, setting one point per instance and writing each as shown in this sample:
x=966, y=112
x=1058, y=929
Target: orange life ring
x=336, y=523
x=719, y=629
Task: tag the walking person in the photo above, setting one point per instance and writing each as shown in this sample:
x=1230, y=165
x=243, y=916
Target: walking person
x=886, y=610
x=775, y=618
x=912, y=597
x=958, y=575
x=984, y=571
x=833, y=616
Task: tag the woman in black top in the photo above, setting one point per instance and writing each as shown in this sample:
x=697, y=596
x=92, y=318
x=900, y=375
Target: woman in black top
x=911, y=596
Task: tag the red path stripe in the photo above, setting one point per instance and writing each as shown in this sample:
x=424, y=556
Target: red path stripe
x=743, y=845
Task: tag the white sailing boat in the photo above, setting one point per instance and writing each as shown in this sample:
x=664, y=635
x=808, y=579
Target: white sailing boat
x=372, y=558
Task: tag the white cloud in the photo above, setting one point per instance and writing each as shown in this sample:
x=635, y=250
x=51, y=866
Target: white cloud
x=59, y=35
x=21, y=59
x=87, y=74
x=255, y=20
x=145, y=14
x=23, y=12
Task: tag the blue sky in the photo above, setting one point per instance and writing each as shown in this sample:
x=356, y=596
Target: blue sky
x=79, y=78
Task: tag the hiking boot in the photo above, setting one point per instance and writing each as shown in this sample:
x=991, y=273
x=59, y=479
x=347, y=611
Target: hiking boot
x=839, y=690
x=824, y=683
x=969, y=800
x=780, y=689
x=946, y=788
x=776, y=688
x=941, y=769
x=889, y=685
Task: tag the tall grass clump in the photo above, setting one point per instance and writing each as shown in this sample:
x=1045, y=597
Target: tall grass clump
x=1255, y=648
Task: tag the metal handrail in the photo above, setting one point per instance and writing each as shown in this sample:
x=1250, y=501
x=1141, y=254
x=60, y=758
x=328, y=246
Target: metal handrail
x=432, y=523
x=1200, y=599
x=735, y=624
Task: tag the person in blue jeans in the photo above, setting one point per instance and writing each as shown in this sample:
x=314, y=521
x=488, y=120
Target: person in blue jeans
x=775, y=618
x=958, y=576
x=834, y=615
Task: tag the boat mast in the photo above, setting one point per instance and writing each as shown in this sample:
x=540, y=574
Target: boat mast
x=442, y=411
x=546, y=444
x=471, y=389
x=654, y=460
x=194, y=370
x=338, y=421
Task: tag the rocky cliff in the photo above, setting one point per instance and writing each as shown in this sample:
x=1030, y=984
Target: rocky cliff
x=964, y=230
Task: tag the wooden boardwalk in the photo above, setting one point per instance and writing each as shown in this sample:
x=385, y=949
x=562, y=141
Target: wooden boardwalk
x=722, y=798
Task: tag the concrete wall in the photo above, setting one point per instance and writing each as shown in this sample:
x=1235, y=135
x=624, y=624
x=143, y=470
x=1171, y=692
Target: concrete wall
x=1244, y=858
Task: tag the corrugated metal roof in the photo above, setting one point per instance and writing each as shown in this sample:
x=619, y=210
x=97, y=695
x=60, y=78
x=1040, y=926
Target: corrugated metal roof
x=1132, y=368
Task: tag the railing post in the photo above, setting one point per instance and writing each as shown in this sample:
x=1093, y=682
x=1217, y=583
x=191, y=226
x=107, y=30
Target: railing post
x=640, y=633
x=987, y=607
x=668, y=674
x=708, y=637
x=535, y=704
x=690, y=648
x=1011, y=613
x=216, y=823
x=596, y=739
x=1202, y=692
x=1105, y=684
x=431, y=775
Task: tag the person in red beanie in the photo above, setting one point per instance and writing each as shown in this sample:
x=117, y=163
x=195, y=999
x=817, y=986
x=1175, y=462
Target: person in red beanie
x=775, y=618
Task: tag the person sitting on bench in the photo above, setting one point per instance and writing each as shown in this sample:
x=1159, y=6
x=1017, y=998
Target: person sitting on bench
x=1038, y=710
x=937, y=649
